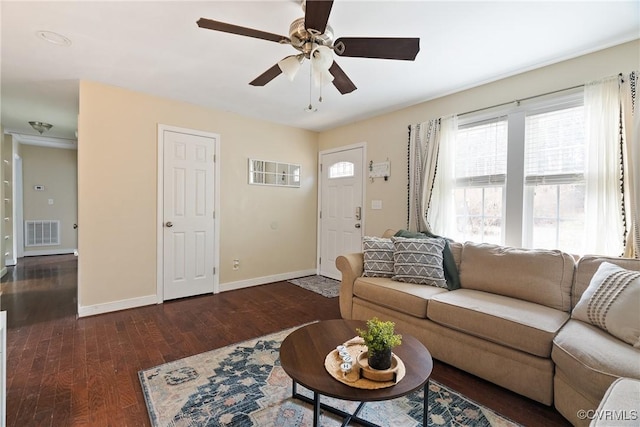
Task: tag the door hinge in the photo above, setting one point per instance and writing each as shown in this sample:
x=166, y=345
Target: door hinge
x=214, y=271
x=320, y=167
x=214, y=158
x=320, y=260
x=320, y=214
x=214, y=214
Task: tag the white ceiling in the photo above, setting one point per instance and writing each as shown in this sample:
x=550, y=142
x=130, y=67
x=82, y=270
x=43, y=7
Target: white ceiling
x=156, y=48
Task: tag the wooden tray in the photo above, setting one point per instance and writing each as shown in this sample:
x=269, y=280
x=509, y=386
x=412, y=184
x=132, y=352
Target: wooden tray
x=353, y=379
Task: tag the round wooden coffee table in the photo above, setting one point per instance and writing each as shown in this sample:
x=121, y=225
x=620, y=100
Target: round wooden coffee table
x=302, y=356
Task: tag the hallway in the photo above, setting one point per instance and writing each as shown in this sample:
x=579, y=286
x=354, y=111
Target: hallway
x=39, y=289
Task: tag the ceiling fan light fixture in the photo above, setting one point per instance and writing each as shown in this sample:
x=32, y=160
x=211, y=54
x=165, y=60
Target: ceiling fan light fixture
x=291, y=65
x=40, y=126
x=321, y=58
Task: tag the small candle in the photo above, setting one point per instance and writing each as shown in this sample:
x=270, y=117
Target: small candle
x=345, y=367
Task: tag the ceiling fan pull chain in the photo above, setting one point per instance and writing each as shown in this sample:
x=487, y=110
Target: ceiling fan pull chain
x=310, y=108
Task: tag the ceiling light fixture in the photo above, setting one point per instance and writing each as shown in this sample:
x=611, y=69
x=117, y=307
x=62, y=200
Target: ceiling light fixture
x=54, y=38
x=321, y=60
x=41, y=126
x=291, y=65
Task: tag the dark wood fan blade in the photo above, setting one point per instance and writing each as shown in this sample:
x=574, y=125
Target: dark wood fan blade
x=210, y=24
x=316, y=15
x=378, y=47
x=340, y=79
x=267, y=76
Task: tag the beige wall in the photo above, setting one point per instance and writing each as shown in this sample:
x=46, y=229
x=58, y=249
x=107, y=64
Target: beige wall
x=386, y=135
x=56, y=169
x=271, y=230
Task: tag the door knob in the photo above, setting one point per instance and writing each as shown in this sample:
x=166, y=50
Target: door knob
x=357, y=225
x=169, y=224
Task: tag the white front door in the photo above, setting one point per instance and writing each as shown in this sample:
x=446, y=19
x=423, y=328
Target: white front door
x=188, y=215
x=341, y=207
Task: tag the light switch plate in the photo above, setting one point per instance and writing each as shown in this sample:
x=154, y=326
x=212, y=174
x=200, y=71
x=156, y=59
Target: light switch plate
x=376, y=204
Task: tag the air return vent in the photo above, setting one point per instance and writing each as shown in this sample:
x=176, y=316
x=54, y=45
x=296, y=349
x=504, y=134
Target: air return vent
x=42, y=233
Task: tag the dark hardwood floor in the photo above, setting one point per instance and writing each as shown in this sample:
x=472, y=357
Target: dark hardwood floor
x=64, y=371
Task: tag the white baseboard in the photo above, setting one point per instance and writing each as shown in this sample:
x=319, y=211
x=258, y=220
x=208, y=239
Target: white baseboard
x=92, y=310
x=48, y=252
x=230, y=286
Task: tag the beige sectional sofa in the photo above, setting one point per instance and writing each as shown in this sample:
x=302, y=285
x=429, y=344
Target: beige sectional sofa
x=587, y=359
x=509, y=322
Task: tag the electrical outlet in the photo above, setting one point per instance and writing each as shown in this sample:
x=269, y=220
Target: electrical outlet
x=236, y=264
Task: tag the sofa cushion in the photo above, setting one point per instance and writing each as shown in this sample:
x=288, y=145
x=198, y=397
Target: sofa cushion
x=593, y=357
x=611, y=303
x=378, y=257
x=535, y=275
x=514, y=323
x=407, y=298
x=419, y=261
x=587, y=266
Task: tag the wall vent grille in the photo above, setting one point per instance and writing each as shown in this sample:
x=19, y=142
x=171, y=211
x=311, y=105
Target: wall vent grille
x=42, y=233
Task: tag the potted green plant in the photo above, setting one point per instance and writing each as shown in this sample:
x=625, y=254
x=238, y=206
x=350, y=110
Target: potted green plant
x=380, y=338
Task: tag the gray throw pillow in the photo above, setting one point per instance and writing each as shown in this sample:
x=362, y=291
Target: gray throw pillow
x=448, y=261
x=419, y=261
x=378, y=257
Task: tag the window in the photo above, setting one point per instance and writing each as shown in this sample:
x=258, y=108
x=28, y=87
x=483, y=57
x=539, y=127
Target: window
x=520, y=176
x=554, y=179
x=341, y=170
x=480, y=173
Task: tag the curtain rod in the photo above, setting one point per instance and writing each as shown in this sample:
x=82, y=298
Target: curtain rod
x=518, y=101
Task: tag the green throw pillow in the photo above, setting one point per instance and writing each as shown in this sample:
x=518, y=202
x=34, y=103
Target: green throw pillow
x=448, y=262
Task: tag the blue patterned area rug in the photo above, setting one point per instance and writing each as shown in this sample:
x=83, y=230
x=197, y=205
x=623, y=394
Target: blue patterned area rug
x=244, y=385
x=324, y=286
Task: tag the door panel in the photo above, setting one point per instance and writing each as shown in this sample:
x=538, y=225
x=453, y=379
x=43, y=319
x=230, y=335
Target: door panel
x=341, y=194
x=188, y=215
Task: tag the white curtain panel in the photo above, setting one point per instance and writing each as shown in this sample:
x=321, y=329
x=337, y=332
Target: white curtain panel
x=631, y=146
x=431, y=176
x=441, y=212
x=604, y=212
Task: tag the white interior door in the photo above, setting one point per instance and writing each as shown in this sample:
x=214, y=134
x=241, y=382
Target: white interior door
x=188, y=215
x=341, y=207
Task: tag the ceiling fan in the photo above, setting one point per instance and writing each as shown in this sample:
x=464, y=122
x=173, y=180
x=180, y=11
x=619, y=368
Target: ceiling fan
x=313, y=37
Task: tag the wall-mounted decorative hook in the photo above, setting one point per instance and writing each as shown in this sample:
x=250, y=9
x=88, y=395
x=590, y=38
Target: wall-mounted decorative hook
x=379, y=170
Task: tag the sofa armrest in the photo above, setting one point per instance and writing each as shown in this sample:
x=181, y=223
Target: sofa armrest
x=351, y=266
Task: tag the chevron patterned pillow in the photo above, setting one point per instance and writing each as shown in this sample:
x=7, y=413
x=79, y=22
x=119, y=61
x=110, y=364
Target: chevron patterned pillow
x=378, y=257
x=419, y=261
